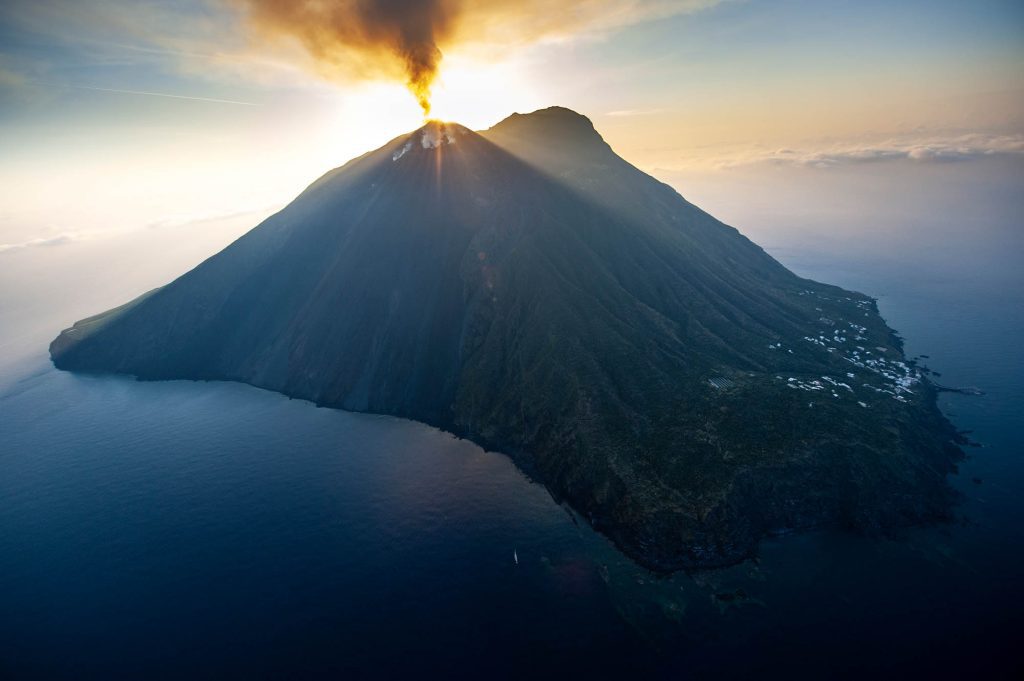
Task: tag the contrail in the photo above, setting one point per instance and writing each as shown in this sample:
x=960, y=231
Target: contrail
x=159, y=94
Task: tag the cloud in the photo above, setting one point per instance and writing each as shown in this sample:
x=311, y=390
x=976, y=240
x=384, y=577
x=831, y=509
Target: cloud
x=121, y=44
x=57, y=240
x=177, y=220
x=170, y=221
x=213, y=100
x=626, y=113
x=918, y=149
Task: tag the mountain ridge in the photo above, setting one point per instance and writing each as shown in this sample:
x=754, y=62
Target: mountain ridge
x=529, y=289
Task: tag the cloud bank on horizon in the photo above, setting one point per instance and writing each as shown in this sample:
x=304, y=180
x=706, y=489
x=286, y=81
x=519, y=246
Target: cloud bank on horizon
x=924, y=147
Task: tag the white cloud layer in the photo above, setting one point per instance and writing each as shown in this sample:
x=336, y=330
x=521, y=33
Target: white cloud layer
x=921, y=149
x=42, y=242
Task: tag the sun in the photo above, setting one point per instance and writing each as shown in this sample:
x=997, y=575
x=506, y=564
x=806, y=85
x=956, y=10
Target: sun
x=478, y=95
x=468, y=92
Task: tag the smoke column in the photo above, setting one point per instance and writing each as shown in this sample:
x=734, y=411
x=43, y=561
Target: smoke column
x=374, y=35
x=403, y=39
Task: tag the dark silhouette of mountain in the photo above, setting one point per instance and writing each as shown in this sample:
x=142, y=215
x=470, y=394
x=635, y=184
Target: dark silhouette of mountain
x=529, y=289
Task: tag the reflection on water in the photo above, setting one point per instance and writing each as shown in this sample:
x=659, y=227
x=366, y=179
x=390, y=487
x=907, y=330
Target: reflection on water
x=181, y=529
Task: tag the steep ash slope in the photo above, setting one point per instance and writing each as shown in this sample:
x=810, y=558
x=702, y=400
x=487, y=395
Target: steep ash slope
x=529, y=289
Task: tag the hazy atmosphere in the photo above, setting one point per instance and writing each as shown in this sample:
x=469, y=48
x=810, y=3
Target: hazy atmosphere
x=181, y=112
x=515, y=476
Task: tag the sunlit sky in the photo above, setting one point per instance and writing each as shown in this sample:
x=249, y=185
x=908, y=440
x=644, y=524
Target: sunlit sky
x=118, y=115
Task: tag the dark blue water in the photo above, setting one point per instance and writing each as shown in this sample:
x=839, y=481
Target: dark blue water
x=186, y=530
x=183, y=528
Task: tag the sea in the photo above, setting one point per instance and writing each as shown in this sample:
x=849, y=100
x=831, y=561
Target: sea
x=190, y=530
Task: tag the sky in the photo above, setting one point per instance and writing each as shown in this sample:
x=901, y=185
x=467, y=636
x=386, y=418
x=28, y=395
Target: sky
x=118, y=117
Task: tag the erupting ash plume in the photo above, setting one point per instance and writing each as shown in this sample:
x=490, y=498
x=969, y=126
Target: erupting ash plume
x=369, y=35
x=403, y=39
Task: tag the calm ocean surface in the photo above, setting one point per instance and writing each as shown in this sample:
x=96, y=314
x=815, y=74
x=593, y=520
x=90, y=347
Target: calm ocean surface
x=193, y=530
